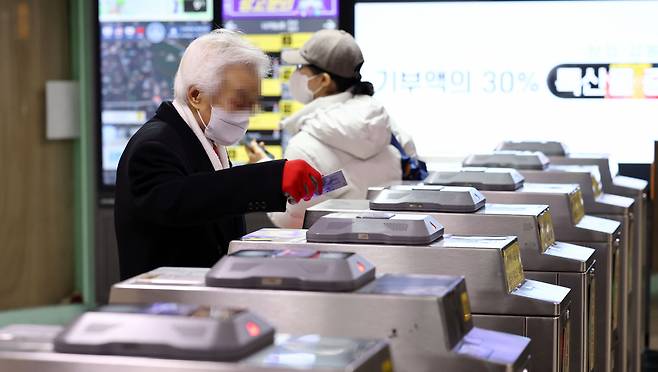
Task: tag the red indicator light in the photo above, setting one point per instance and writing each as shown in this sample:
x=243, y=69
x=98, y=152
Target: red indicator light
x=253, y=329
x=361, y=267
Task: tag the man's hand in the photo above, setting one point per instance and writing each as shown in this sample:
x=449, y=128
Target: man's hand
x=300, y=180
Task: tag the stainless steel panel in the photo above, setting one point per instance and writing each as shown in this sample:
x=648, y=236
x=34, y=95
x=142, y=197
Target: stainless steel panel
x=482, y=268
x=493, y=219
x=442, y=258
x=558, y=330
x=576, y=159
x=607, y=206
x=638, y=260
x=627, y=295
x=589, y=229
x=543, y=331
x=414, y=325
x=524, y=227
x=635, y=189
x=607, y=293
x=557, y=202
x=605, y=203
x=580, y=328
x=593, y=232
x=502, y=323
x=377, y=358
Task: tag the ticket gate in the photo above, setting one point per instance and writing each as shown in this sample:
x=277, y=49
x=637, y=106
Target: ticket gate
x=489, y=264
x=497, y=219
x=565, y=201
x=426, y=319
x=467, y=214
x=202, y=340
x=623, y=186
x=535, y=167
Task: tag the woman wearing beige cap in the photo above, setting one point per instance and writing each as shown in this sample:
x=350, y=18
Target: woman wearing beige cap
x=342, y=126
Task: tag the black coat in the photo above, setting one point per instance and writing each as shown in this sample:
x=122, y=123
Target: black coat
x=173, y=209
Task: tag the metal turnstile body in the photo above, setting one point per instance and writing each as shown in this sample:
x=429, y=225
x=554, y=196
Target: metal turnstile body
x=637, y=190
x=565, y=201
x=482, y=261
x=624, y=186
x=596, y=204
x=612, y=207
x=425, y=318
x=529, y=222
x=597, y=233
x=310, y=352
x=617, y=185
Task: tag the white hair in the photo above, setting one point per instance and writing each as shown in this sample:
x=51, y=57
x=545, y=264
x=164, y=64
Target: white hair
x=206, y=57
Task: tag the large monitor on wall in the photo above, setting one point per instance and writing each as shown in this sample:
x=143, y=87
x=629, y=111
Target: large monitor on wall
x=461, y=76
x=140, y=45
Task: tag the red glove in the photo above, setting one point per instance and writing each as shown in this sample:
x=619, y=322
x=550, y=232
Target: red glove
x=300, y=180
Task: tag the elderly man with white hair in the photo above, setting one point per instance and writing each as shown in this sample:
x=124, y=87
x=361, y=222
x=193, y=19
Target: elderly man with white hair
x=178, y=201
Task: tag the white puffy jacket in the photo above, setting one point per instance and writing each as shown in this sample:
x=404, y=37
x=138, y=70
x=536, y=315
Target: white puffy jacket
x=347, y=132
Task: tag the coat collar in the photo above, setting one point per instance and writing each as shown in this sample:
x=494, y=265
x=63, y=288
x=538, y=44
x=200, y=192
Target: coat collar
x=195, y=152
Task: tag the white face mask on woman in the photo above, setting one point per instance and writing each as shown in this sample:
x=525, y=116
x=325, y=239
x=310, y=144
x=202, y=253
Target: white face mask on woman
x=225, y=128
x=299, y=87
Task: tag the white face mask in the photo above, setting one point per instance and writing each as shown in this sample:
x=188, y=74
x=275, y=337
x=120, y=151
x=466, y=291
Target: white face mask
x=225, y=128
x=299, y=87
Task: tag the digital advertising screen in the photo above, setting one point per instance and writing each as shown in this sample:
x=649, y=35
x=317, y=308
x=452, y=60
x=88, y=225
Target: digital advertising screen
x=276, y=25
x=140, y=45
x=460, y=77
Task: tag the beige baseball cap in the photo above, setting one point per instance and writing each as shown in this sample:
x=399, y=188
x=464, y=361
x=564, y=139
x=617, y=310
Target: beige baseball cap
x=334, y=51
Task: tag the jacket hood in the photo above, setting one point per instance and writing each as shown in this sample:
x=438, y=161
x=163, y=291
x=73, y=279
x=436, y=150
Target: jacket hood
x=358, y=125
